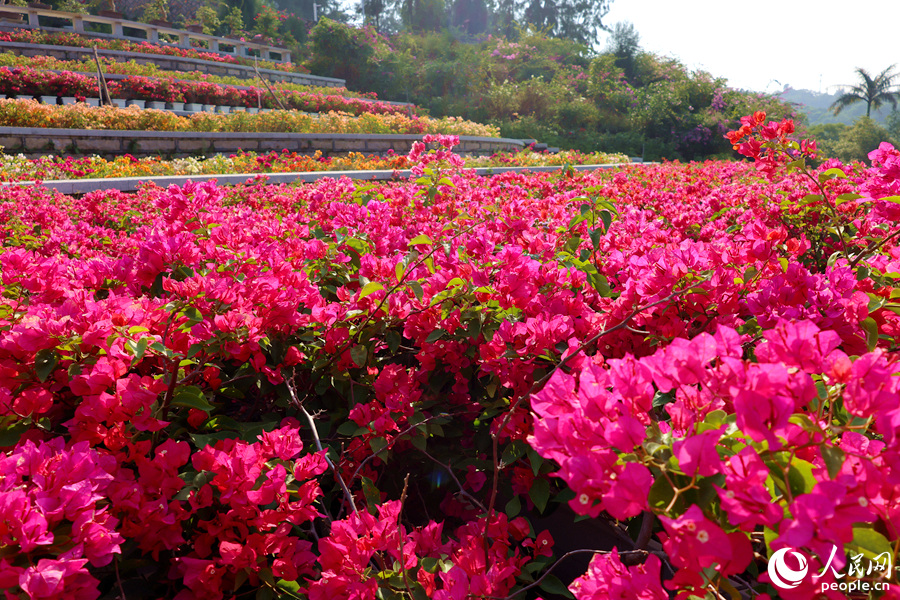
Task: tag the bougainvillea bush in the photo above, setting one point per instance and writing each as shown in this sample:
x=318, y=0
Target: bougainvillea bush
x=60, y=38
x=28, y=113
x=38, y=82
x=425, y=389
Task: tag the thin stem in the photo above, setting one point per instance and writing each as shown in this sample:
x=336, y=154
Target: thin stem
x=315, y=432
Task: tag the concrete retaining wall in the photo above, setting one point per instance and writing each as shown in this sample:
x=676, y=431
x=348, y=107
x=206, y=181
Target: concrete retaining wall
x=170, y=63
x=130, y=184
x=34, y=142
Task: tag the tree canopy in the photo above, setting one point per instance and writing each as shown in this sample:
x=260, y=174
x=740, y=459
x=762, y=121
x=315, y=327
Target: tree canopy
x=874, y=91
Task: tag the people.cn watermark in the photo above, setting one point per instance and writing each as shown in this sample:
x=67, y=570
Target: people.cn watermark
x=786, y=577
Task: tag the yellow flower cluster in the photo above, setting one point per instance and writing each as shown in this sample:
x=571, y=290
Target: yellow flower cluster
x=28, y=113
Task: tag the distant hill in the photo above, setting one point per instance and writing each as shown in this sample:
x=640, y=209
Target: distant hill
x=815, y=106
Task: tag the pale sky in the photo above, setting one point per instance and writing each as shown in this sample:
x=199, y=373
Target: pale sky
x=763, y=45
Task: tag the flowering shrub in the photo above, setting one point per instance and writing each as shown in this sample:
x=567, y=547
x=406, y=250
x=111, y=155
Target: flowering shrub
x=27, y=113
x=20, y=168
x=131, y=67
x=28, y=80
x=280, y=388
x=57, y=38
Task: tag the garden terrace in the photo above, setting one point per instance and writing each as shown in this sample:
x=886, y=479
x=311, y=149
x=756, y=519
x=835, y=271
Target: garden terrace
x=36, y=81
x=69, y=168
x=113, y=68
x=133, y=184
x=28, y=113
x=35, y=142
x=123, y=29
x=169, y=62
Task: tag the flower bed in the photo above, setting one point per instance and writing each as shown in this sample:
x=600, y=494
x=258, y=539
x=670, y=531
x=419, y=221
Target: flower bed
x=132, y=67
x=29, y=36
x=39, y=82
x=210, y=392
x=19, y=168
x=27, y=113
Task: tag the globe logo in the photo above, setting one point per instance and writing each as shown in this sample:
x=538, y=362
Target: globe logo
x=781, y=574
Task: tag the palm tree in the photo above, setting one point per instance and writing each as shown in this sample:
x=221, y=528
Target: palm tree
x=874, y=91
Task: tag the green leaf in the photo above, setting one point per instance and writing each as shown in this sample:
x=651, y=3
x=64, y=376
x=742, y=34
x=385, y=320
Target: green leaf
x=416, y=287
x=540, y=493
x=265, y=593
x=834, y=459
x=369, y=288
x=393, y=340
x=832, y=174
x=894, y=199
x=12, y=435
x=360, y=355
x=513, y=507
x=399, y=270
x=192, y=397
x=349, y=428
x=291, y=586
x=421, y=239
x=44, y=363
x=193, y=315
x=606, y=217
x=378, y=444
x=513, y=452
x=552, y=585
x=435, y=336
x=841, y=199
x=429, y=564
x=870, y=543
x=595, y=236
x=373, y=496
x=871, y=328
x=138, y=348
x=800, y=477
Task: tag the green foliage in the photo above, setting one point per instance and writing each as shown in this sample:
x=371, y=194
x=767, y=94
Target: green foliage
x=893, y=125
x=874, y=91
x=423, y=15
x=233, y=21
x=156, y=10
x=267, y=23
x=209, y=19
x=625, y=43
x=547, y=88
x=857, y=141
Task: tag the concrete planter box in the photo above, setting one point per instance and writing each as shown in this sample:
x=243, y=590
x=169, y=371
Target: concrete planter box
x=138, y=103
x=209, y=107
x=175, y=106
x=252, y=110
x=156, y=105
x=92, y=101
x=37, y=141
x=119, y=102
x=48, y=99
x=223, y=110
x=192, y=107
x=69, y=100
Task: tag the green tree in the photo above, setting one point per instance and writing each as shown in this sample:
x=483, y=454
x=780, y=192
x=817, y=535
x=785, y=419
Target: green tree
x=624, y=43
x=470, y=16
x=372, y=11
x=857, y=141
x=874, y=91
x=893, y=124
x=423, y=15
x=579, y=20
